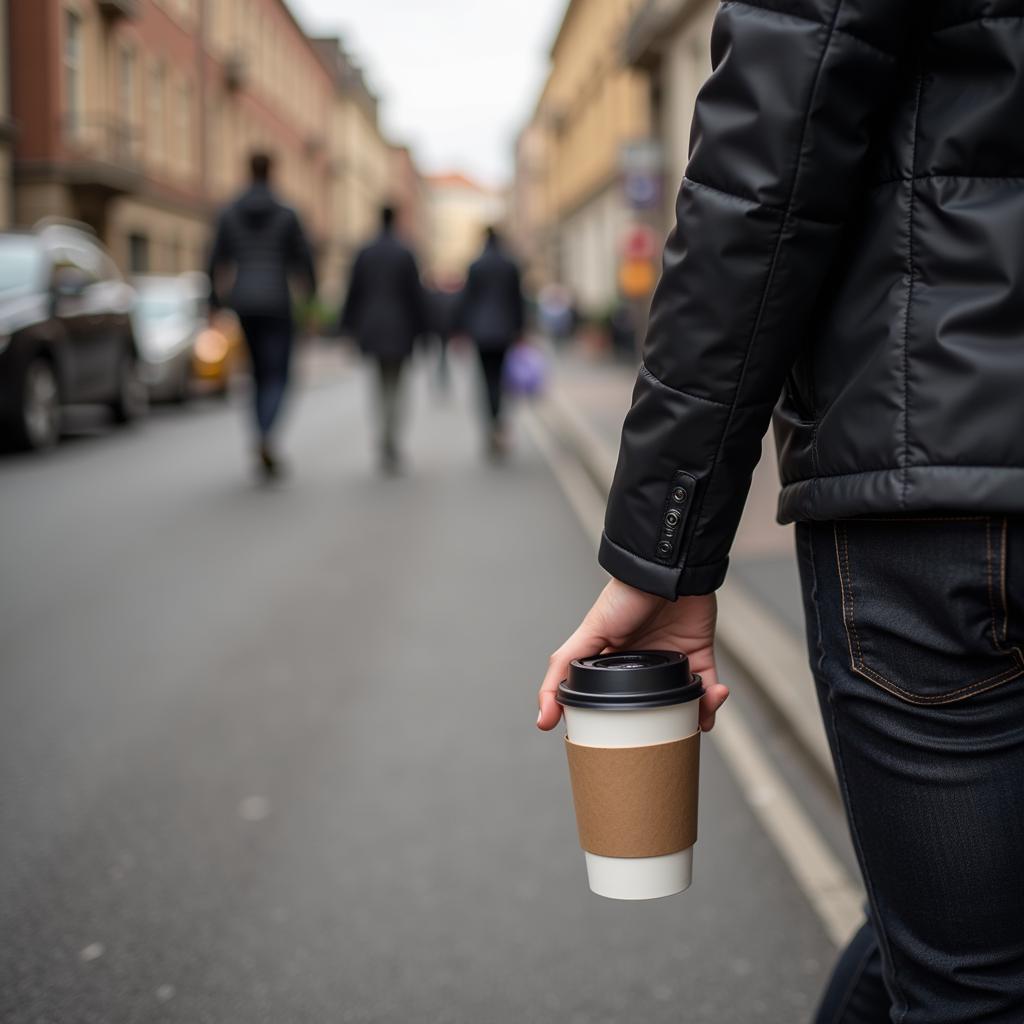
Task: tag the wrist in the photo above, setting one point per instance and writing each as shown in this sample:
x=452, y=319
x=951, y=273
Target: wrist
x=633, y=593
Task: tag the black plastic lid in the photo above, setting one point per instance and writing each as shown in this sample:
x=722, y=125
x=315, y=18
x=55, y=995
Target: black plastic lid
x=630, y=680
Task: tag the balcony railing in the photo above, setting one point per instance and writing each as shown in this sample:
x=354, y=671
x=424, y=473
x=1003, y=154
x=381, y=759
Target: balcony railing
x=101, y=152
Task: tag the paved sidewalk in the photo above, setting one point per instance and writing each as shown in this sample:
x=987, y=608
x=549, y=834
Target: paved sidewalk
x=762, y=559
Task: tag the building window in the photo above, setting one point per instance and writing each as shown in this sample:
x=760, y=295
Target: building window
x=183, y=128
x=73, y=70
x=126, y=103
x=155, y=114
x=177, y=264
x=138, y=253
x=216, y=142
x=126, y=86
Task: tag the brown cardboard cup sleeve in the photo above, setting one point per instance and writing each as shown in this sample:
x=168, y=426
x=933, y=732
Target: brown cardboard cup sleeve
x=636, y=801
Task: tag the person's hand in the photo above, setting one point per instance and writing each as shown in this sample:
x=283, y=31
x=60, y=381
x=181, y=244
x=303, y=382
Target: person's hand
x=624, y=618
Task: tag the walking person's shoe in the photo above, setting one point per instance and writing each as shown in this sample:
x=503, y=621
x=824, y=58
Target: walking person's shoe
x=270, y=466
x=390, y=460
x=497, y=445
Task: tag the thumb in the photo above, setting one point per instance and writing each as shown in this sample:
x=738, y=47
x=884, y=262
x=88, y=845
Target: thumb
x=715, y=694
x=584, y=642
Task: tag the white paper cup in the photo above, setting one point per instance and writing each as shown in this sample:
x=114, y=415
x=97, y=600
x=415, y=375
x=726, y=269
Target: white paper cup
x=635, y=878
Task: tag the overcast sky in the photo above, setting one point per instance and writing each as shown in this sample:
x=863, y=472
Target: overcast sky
x=456, y=78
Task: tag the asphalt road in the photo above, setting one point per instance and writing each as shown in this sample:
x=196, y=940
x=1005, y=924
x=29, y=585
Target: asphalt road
x=268, y=755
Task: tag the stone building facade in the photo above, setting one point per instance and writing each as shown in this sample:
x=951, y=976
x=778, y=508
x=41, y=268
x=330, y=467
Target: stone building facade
x=360, y=166
x=592, y=106
x=137, y=117
x=670, y=41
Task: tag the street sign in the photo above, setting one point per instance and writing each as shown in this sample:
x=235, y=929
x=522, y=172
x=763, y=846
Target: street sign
x=643, y=191
x=639, y=243
x=641, y=156
x=640, y=161
x=636, y=278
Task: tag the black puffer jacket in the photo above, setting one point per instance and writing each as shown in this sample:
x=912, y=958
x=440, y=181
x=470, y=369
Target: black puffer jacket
x=851, y=236
x=260, y=241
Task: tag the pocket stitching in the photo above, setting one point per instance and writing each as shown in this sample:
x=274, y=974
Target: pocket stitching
x=857, y=663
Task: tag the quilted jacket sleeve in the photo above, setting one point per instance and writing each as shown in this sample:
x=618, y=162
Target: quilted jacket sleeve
x=780, y=133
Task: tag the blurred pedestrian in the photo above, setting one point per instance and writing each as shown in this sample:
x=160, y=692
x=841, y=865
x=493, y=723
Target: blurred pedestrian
x=443, y=302
x=385, y=310
x=491, y=311
x=557, y=312
x=622, y=325
x=850, y=237
x=261, y=242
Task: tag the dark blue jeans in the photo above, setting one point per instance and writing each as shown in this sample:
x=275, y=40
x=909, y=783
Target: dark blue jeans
x=913, y=627
x=269, y=340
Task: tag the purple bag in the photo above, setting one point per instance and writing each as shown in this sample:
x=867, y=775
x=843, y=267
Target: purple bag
x=525, y=371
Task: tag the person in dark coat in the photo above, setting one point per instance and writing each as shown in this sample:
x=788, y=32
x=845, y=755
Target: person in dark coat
x=849, y=252
x=491, y=311
x=261, y=241
x=443, y=302
x=385, y=310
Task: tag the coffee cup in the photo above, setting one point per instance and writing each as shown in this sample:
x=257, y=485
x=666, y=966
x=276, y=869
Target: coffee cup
x=633, y=744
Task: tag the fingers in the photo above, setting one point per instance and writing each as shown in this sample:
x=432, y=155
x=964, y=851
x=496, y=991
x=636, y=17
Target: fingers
x=581, y=644
x=715, y=694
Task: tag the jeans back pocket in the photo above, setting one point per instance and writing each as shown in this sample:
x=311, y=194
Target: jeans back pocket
x=924, y=605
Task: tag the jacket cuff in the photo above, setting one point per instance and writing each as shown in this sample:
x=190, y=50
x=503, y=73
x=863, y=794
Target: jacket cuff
x=636, y=571
x=701, y=579
x=664, y=581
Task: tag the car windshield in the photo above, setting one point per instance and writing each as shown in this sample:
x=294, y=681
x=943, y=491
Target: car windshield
x=160, y=305
x=21, y=264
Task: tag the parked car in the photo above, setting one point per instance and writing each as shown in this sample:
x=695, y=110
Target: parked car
x=66, y=333
x=169, y=315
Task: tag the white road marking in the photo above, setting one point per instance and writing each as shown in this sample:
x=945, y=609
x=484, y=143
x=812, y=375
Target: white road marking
x=832, y=893
x=753, y=637
x=577, y=487
x=92, y=952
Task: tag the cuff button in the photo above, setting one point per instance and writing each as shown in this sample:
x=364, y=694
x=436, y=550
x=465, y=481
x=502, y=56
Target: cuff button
x=679, y=495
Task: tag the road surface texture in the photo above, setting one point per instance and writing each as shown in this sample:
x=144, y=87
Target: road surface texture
x=268, y=754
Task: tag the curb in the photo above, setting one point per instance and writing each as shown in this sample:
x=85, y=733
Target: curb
x=754, y=637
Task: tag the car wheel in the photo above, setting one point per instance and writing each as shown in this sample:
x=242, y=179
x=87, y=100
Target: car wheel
x=40, y=406
x=132, y=398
